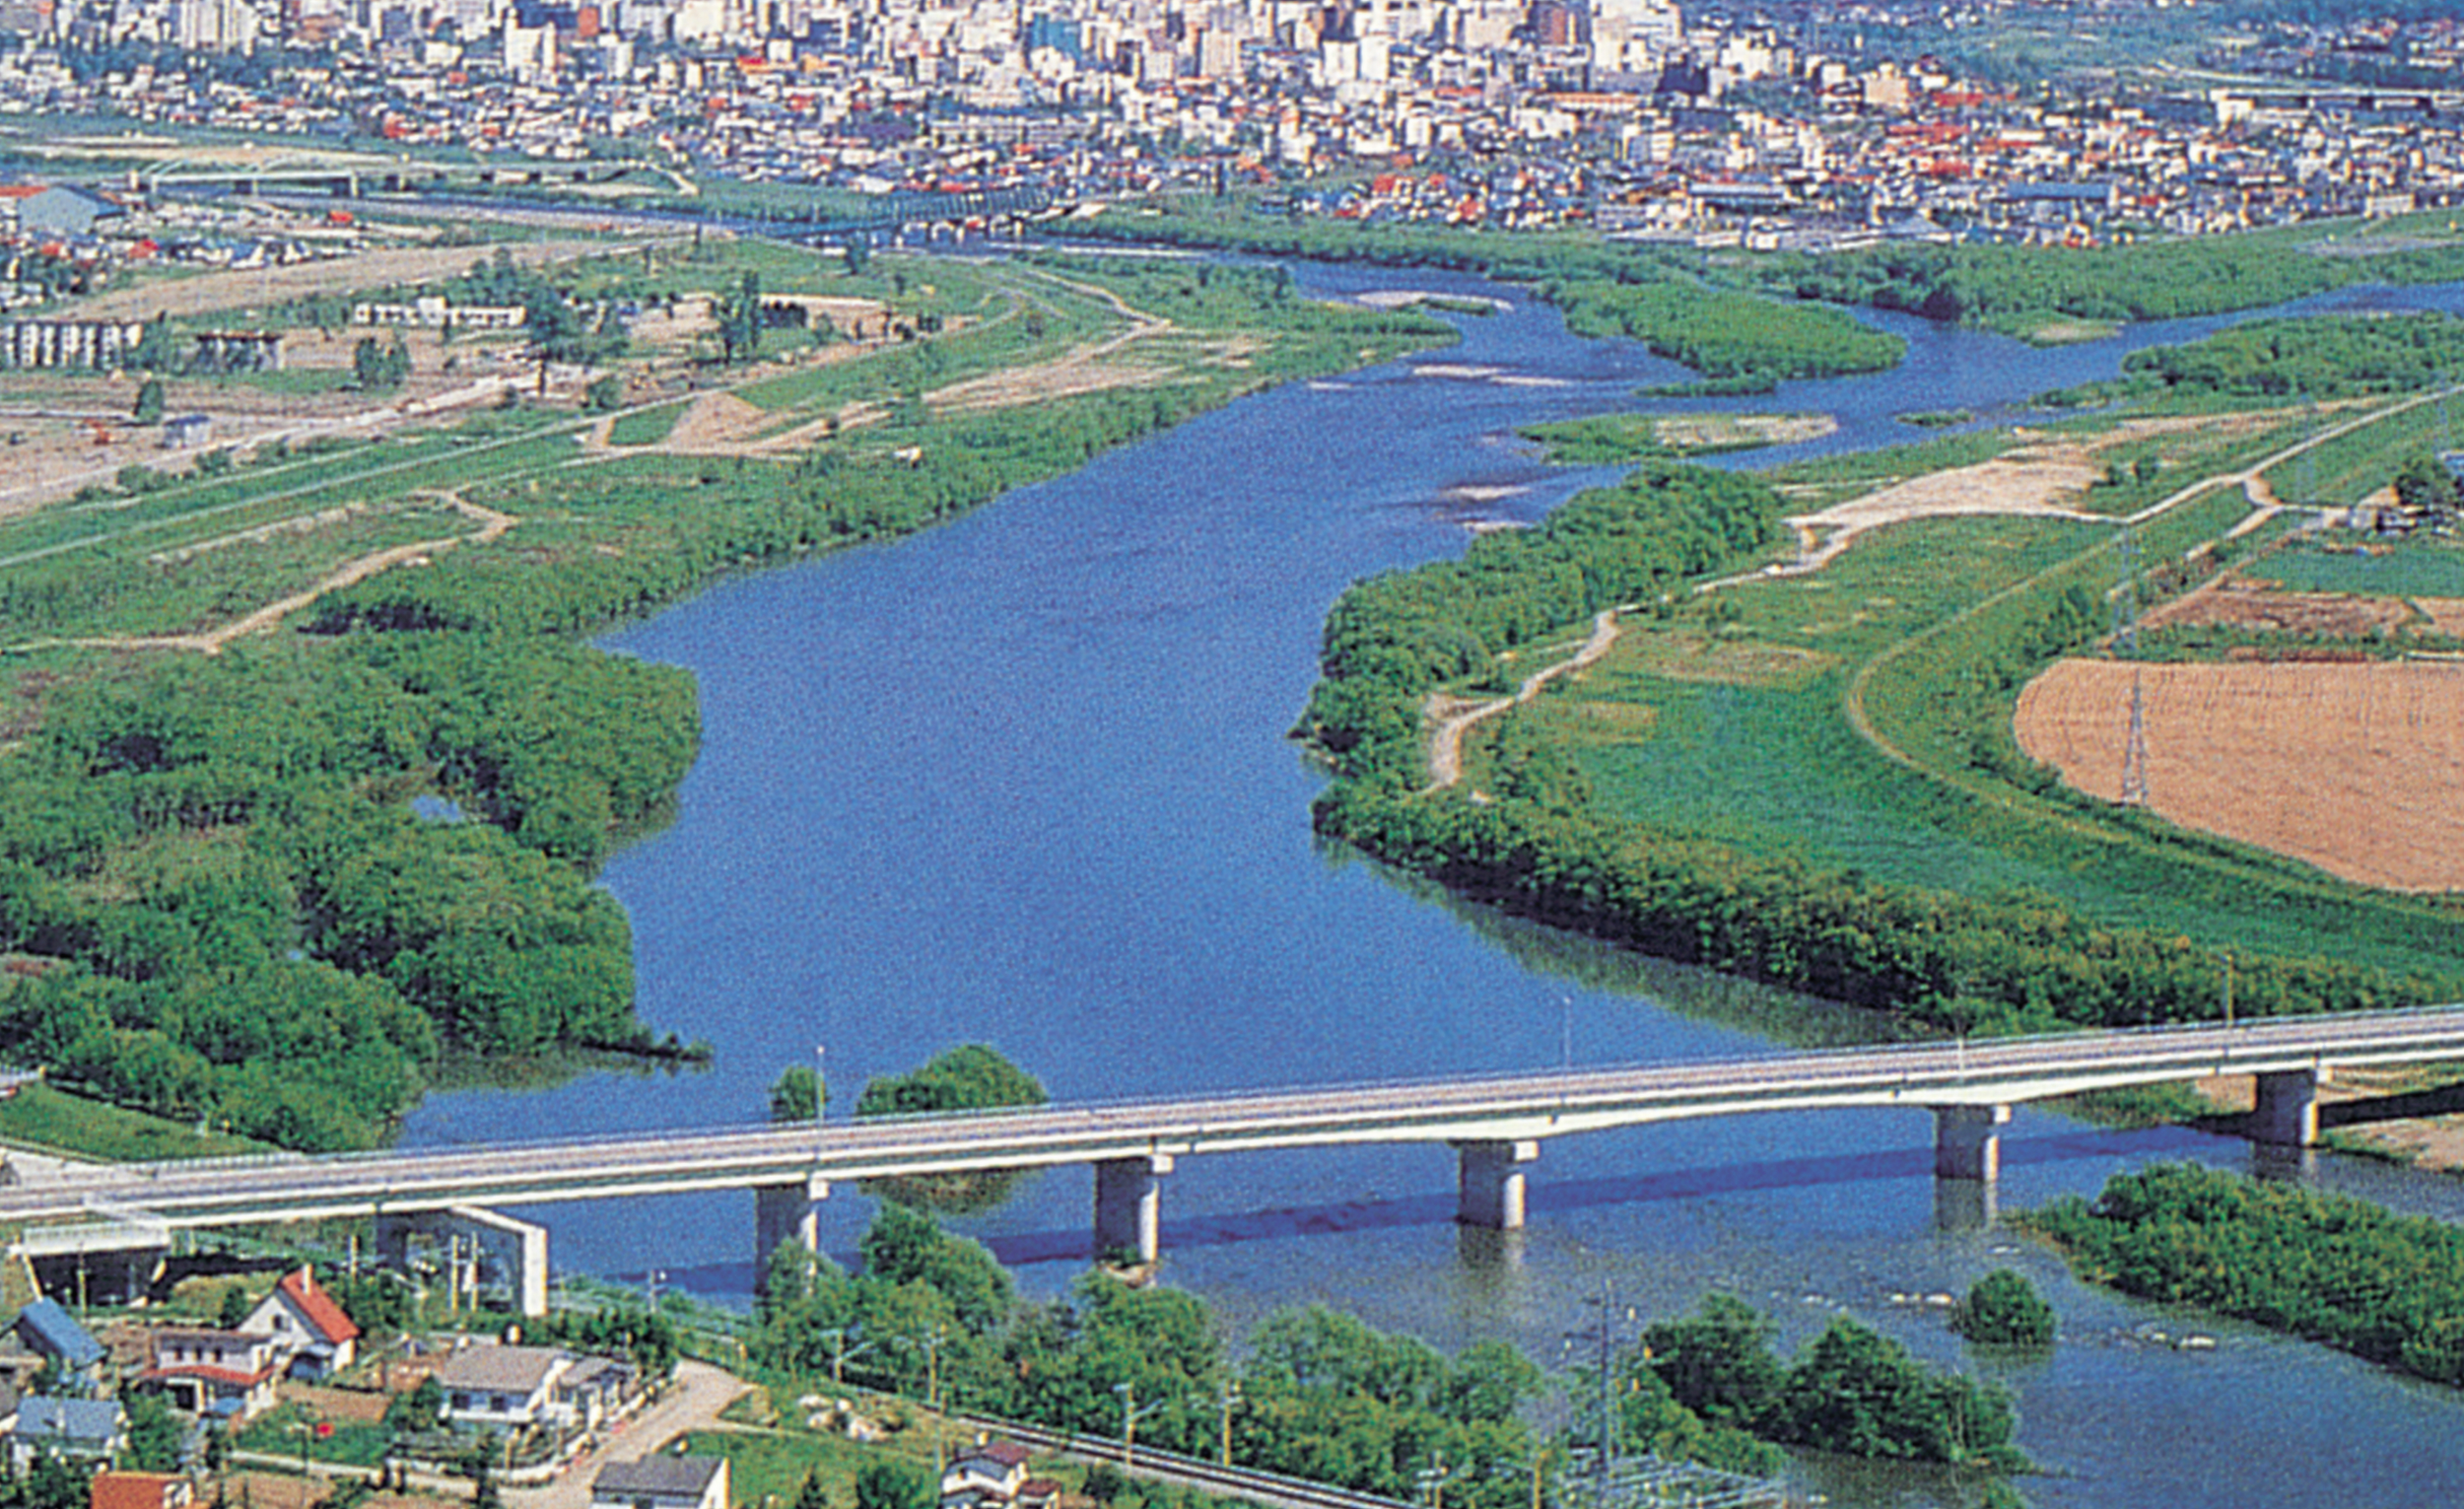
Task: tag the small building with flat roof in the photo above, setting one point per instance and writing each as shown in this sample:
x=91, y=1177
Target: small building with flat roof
x=662, y=1481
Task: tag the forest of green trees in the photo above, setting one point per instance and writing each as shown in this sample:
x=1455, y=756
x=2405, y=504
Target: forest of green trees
x=236, y=926
x=2319, y=358
x=1747, y=342
x=2014, y=287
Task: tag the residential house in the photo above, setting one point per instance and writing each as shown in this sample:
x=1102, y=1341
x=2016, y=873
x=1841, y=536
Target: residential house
x=53, y=1333
x=662, y=1481
x=512, y=1388
x=81, y=1429
x=317, y=1337
x=228, y=1374
x=993, y=1475
x=113, y=1489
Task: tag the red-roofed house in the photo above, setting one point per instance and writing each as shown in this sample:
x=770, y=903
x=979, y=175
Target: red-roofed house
x=310, y=1327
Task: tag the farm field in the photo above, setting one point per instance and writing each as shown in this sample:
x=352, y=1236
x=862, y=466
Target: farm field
x=1848, y=706
x=2357, y=767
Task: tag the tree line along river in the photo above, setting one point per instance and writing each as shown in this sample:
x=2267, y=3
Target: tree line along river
x=1023, y=780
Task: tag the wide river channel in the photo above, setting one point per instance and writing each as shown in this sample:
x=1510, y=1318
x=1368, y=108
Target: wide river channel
x=1023, y=780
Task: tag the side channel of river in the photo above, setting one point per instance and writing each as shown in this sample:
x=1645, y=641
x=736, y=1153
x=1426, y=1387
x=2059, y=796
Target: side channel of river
x=1024, y=780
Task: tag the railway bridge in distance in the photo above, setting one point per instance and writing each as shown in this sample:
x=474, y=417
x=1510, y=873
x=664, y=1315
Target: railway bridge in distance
x=1497, y=1124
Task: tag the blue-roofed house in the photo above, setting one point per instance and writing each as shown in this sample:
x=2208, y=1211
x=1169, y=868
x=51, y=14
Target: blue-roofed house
x=50, y=1331
x=87, y=1429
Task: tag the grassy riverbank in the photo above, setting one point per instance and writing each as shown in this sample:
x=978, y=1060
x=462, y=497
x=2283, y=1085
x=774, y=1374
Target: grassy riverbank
x=1810, y=777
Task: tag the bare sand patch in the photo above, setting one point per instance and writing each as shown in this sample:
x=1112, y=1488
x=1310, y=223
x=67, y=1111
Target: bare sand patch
x=715, y=422
x=2356, y=768
x=2446, y=615
x=2241, y=604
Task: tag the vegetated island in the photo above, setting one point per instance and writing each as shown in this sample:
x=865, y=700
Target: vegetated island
x=222, y=908
x=1613, y=440
x=2323, y=1267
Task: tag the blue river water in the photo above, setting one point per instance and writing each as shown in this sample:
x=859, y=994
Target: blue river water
x=1024, y=780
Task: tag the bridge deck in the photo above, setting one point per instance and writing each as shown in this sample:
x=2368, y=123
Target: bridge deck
x=1483, y=1108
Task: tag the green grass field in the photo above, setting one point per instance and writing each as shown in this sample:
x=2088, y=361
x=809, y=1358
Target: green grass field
x=2413, y=568
x=53, y=1120
x=1736, y=720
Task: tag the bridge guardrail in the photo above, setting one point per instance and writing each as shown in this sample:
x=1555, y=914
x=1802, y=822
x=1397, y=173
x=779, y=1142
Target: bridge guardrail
x=1569, y=1083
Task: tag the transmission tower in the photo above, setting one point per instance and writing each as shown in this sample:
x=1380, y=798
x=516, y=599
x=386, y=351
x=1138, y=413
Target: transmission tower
x=2126, y=645
x=1601, y=1337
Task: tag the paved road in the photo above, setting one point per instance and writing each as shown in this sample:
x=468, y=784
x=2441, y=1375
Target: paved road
x=701, y=1390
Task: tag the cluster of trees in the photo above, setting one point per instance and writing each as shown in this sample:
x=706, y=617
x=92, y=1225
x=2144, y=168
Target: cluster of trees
x=2320, y=357
x=380, y=367
x=2010, y=962
x=1322, y=1395
x=1391, y=639
x=969, y=1077
x=2328, y=1267
x=240, y=921
x=1851, y=1390
x=1325, y=1397
x=2003, y=1309
x=2423, y=483
x=2017, y=287
x=50, y=1482
x=1727, y=336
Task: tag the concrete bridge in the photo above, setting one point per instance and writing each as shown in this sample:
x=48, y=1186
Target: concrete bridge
x=1495, y=1123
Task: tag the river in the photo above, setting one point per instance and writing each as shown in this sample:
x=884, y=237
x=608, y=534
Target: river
x=1023, y=780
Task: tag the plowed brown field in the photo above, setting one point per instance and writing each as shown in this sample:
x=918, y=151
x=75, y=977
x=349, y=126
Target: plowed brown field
x=2357, y=769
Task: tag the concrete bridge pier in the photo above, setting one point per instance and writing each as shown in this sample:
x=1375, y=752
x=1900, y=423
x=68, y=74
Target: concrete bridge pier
x=1967, y=1142
x=1489, y=1182
x=1963, y=1207
x=1128, y=1205
x=485, y=1247
x=2285, y=1113
x=787, y=1213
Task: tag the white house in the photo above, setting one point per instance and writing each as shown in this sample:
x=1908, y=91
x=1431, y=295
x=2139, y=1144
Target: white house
x=310, y=1327
x=225, y=1373
x=513, y=1387
x=993, y=1475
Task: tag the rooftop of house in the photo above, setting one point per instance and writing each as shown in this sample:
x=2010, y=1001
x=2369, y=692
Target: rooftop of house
x=53, y=1329
x=46, y=1416
x=316, y=1306
x=501, y=1369
x=657, y=1474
